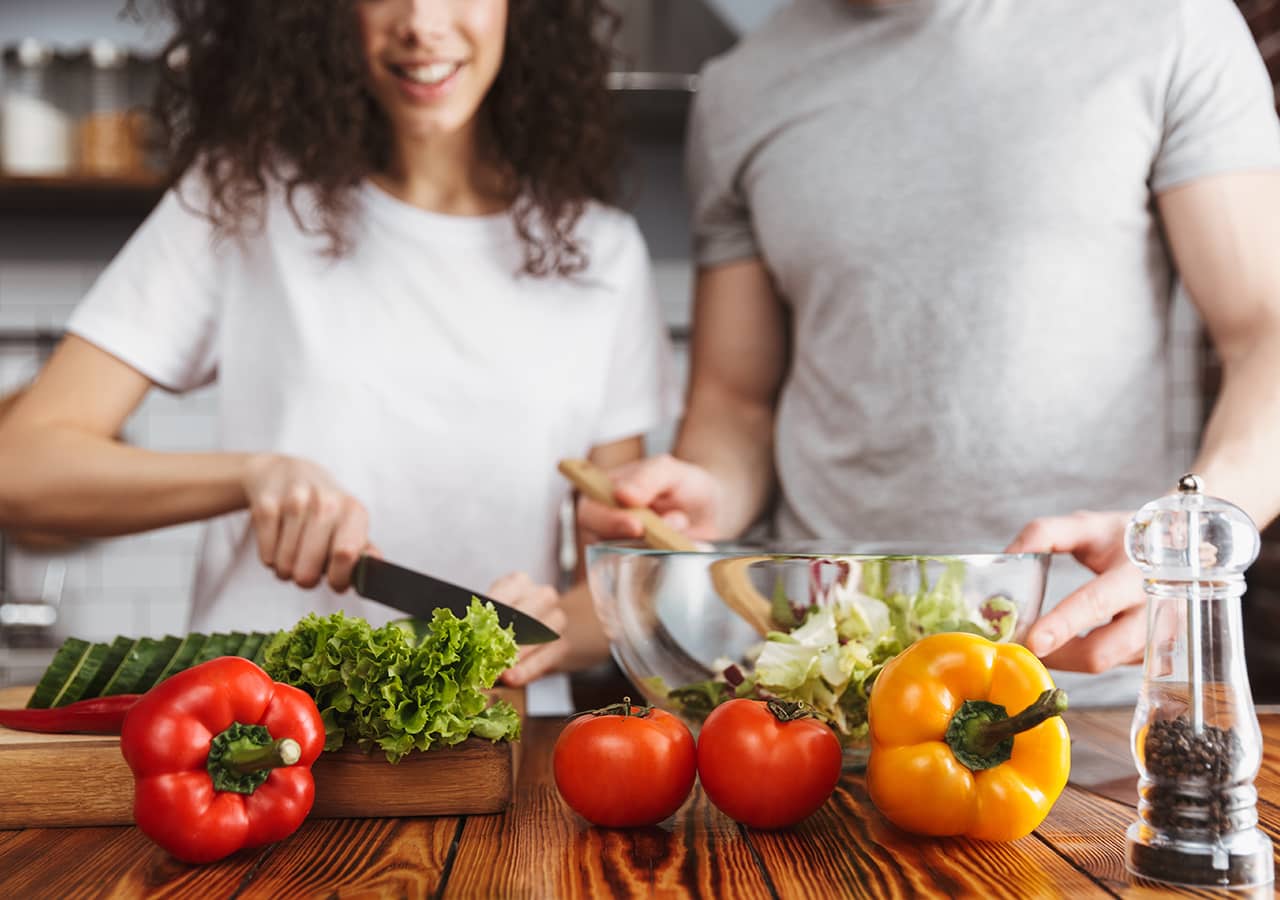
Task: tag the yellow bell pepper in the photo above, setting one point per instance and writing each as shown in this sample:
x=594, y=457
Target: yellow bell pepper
x=947, y=758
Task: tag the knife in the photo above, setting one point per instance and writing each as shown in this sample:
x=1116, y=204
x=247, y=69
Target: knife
x=419, y=595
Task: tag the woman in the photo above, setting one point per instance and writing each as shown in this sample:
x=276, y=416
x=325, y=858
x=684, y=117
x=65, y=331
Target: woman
x=391, y=249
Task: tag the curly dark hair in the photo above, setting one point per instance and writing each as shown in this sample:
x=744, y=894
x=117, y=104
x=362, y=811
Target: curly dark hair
x=276, y=91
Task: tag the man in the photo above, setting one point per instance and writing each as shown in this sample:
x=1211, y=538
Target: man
x=937, y=242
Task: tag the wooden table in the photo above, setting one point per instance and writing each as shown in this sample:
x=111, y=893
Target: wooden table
x=539, y=849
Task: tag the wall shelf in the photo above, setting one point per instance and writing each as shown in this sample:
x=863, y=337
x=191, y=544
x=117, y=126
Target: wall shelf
x=80, y=194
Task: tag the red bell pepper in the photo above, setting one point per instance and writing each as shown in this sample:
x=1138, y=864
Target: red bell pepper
x=99, y=715
x=221, y=757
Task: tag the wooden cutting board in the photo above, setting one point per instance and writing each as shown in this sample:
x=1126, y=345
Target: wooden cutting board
x=57, y=780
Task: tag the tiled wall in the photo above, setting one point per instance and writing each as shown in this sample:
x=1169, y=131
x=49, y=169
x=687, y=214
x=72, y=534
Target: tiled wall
x=138, y=584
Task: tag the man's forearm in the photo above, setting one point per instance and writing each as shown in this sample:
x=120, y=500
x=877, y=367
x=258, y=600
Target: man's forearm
x=734, y=444
x=1239, y=456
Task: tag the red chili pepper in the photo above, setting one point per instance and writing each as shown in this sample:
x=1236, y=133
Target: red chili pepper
x=100, y=715
x=221, y=756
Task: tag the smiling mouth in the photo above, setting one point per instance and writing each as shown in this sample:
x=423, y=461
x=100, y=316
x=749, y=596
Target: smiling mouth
x=431, y=74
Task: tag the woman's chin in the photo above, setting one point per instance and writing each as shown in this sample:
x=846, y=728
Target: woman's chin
x=425, y=125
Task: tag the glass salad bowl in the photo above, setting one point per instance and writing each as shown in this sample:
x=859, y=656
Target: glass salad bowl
x=813, y=622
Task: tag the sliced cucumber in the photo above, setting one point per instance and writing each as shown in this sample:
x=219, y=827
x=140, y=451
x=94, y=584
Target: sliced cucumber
x=260, y=655
x=81, y=675
x=115, y=656
x=64, y=662
x=183, y=656
x=213, y=648
x=127, y=678
x=251, y=644
x=164, y=652
x=80, y=669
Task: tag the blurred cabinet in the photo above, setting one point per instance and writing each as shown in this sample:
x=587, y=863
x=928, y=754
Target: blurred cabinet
x=1263, y=17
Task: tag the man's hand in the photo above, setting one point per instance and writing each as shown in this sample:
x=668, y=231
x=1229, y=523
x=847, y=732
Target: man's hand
x=582, y=640
x=685, y=495
x=1111, y=607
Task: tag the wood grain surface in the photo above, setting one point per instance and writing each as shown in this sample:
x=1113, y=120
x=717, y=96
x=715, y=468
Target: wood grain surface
x=537, y=848
x=546, y=851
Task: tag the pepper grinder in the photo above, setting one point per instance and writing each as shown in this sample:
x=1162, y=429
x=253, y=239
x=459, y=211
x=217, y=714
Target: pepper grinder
x=1195, y=735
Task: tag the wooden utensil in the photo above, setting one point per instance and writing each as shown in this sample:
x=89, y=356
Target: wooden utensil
x=730, y=580
x=589, y=478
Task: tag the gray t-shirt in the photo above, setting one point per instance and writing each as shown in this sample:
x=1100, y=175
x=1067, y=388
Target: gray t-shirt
x=954, y=199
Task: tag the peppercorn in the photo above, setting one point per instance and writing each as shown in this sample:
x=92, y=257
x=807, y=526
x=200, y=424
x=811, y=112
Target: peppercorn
x=1191, y=775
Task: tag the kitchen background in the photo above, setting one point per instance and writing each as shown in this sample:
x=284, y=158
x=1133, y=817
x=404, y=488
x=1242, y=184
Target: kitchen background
x=64, y=213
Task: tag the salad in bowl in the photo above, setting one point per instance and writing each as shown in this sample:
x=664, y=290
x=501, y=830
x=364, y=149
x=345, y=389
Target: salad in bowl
x=693, y=629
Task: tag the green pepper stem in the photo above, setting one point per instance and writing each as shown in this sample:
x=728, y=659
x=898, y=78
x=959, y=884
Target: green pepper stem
x=246, y=759
x=987, y=735
x=243, y=757
x=981, y=734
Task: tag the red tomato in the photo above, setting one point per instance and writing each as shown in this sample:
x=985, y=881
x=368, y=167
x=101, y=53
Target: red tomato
x=762, y=771
x=624, y=766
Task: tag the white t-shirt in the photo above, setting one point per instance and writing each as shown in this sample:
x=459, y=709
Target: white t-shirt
x=436, y=384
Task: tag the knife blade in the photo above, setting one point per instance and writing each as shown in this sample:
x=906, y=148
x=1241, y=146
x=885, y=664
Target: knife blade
x=419, y=595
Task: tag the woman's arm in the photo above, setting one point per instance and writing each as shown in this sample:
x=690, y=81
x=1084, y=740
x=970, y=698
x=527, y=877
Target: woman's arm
x=62, y=470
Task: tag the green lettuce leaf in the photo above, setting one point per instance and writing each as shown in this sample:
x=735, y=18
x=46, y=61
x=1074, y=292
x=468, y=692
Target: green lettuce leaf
x=405, y=686
x=811, y=664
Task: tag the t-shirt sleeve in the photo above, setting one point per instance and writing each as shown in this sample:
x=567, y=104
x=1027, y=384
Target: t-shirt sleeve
x=1219, y=108
x=156, y=306
x=721, y=217
x=640, y=392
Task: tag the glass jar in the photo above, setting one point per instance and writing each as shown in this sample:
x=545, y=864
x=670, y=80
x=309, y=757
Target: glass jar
x=144, y=80
x=35, y=124
x=108, y=140
x=1195, y=735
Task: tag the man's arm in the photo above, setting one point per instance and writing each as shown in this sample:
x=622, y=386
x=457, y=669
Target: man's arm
x=1224, y=232
x=739, y=358
x=1225, y=237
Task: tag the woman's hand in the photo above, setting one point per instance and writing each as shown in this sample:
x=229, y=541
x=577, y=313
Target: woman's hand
x=582, y=641
x=307, y=526
x=684, y=494
x=1111, y=607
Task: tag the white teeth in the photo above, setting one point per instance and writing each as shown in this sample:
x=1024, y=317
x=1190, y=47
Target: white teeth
x=432, y=74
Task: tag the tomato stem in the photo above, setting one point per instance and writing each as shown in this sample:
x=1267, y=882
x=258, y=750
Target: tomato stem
x=788, y=710
x=617, y=709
